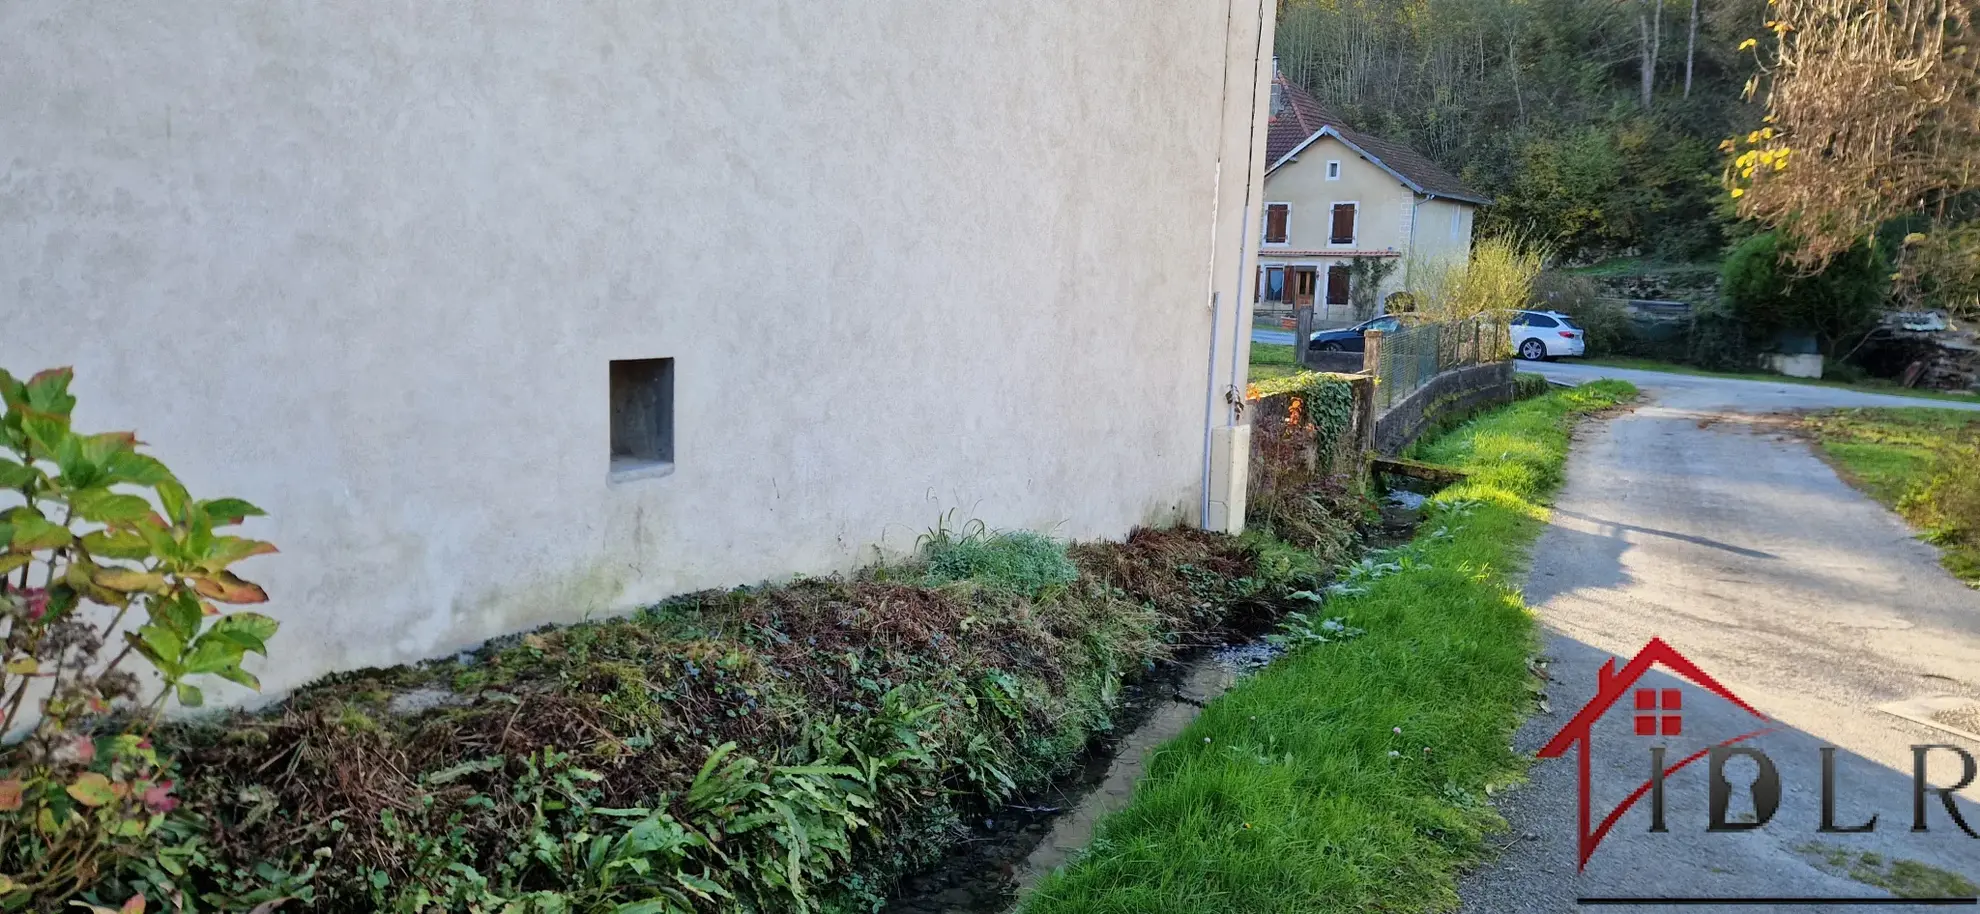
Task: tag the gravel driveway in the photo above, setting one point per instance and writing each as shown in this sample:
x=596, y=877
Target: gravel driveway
x=1697, y=519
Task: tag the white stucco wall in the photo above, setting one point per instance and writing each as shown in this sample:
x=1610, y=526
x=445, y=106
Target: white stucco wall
x=364, y=264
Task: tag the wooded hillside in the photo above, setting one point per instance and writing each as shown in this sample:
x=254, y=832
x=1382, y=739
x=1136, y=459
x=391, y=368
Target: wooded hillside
x=1595, y=124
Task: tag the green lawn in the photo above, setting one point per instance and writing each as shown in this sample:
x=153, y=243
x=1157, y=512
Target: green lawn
x=1354, y=776
x=1868, y=387
x=1271, y=360
x=1908, y=459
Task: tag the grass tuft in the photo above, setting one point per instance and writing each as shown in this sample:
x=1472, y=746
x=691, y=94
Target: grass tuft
x=1353, y=776
x=1017, y=562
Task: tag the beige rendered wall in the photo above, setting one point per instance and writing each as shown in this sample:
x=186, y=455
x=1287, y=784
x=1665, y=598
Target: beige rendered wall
x=1391, y=217
x=365, y=263
x=1382, y=221
x=1443, y=231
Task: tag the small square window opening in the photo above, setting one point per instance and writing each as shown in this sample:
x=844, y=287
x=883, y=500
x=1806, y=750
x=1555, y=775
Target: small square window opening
x=1333, y=171
x=642, y=417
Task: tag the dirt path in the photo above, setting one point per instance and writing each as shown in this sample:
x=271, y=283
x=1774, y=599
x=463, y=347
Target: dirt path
x=1695, y=519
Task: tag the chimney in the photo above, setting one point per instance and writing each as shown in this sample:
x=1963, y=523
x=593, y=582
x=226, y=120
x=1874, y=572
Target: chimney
x=1278, y=92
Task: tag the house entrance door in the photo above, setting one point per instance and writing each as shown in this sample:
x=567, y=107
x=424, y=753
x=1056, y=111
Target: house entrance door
x=1305, y=283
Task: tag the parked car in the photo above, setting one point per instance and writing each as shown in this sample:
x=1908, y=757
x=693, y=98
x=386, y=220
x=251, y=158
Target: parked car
x=1538, y=335
x=1348, y=339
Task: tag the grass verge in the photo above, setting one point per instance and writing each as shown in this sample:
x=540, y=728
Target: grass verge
x=1868, y=387
x=1921, y=463
x=1272, y=360
x=1353, y=776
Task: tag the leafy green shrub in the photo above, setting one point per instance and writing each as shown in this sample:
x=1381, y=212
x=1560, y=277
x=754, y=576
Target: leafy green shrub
x=1837, y=305
x=1527, y=384
x=1018, y=561
x=1303, y=464
x=1843, y=372
x=1719, y=341
x=85, y=790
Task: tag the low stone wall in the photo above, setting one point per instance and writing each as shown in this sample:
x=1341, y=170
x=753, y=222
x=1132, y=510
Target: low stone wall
x=1454, y=393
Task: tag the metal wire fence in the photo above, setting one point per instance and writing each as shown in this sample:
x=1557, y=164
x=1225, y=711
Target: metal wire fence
x=1408, y=357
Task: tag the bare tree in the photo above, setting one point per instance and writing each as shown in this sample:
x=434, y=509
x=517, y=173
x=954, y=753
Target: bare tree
x=1690, y=47
x=1650, y=23
x=1873, y=112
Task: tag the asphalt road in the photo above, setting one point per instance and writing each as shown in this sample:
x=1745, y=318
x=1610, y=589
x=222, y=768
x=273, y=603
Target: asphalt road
x=1696, y=519
x=1275, y=337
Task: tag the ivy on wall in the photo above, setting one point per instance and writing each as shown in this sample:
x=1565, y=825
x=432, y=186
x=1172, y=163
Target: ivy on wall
x=1322, y=399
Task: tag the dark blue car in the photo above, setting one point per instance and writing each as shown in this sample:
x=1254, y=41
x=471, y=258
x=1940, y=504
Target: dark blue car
x=1348, y=339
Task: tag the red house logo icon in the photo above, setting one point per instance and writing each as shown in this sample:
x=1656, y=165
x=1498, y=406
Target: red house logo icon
x=1656, y=712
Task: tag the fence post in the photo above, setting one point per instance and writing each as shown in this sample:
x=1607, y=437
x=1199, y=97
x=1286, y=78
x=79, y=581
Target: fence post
x=1371, y=363
x=1302, y=333
x=1477, y=341
x=1364, y=418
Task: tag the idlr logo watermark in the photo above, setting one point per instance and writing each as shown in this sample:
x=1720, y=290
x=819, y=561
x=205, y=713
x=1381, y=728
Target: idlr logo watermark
x=1658, y=715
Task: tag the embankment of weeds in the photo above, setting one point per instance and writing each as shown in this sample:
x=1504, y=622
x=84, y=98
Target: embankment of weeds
x=1922, y=463
x=782, y=748
x=1353, y=776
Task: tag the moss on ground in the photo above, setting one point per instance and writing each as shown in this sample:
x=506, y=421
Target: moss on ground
x=1900, y=877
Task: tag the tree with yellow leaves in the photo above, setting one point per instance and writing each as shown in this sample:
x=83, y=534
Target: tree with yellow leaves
x=1873, y=113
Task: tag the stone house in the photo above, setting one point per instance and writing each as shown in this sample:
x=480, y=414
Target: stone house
x=1334, y=195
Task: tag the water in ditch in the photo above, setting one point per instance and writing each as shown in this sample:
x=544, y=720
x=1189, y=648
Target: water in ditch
x=1007, y=854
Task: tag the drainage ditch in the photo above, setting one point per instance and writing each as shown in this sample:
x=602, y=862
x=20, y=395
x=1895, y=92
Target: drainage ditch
x=1004, y=856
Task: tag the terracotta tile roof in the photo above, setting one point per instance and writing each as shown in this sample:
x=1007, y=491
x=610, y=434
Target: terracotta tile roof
x=1297, y=115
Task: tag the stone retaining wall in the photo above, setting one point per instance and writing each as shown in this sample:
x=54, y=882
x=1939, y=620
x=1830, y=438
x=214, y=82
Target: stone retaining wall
x=1452, y=394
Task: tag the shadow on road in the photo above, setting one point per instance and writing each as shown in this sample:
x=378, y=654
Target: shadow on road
x=1684, y=537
